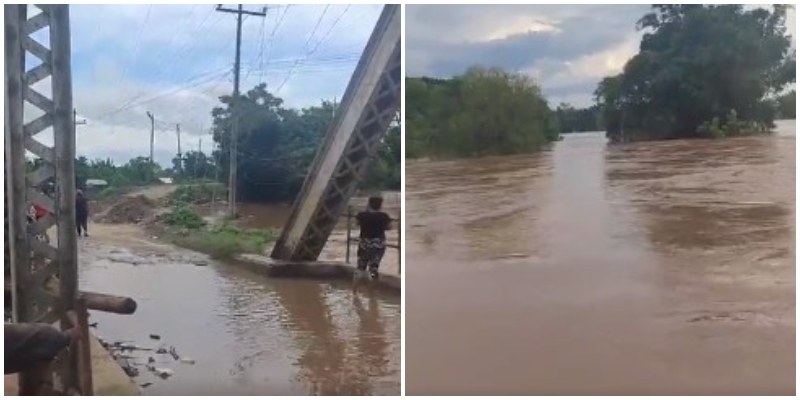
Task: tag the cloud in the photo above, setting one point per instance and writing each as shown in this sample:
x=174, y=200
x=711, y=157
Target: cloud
x=176, y=60
x=567, y=48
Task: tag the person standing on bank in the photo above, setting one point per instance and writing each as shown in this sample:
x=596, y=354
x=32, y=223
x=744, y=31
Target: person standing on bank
x=82, y=213
x=373, y=224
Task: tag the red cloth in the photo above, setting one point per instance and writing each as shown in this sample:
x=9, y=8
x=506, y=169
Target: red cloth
x=41, y=212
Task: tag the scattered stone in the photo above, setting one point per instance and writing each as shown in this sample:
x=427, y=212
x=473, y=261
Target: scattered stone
x=146, y=384
x=161, y=350
x=155, y=337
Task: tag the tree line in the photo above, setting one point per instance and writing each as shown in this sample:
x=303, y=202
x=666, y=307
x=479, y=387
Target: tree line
x=277, y=145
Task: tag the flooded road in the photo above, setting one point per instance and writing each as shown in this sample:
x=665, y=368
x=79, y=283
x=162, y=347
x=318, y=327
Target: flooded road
x=646, y=268
x=247, y=335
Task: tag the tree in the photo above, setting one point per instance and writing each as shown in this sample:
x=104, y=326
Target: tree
x=276, y=144
x=571, y=119
x=699, y=66
x=787, y=105
x=484, y=111
x=194, y=165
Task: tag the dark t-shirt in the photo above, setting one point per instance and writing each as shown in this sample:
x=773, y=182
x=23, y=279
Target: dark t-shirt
x=373, y=224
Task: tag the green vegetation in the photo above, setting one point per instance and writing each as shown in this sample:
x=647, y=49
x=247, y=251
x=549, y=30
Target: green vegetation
x=387, y=171
x=278, y=144
x=701, y=71
x=136, y=172
x=198, y=193
x=183, y=217
x=483, y=112
x=187, y=229
x=786, y=105
x=571, y=119
x=193, y=166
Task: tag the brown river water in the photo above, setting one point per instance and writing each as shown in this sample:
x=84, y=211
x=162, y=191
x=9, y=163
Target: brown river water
x=646, y=268
x=245, y=333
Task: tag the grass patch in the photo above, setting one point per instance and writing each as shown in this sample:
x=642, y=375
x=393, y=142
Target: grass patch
x=197, y=193
x=189, y=230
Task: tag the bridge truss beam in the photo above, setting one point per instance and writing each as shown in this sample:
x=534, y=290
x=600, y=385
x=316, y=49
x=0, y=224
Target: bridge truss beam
x=370, y=102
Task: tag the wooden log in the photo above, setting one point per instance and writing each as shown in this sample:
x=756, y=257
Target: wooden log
x=98, y=301
x=109, y=303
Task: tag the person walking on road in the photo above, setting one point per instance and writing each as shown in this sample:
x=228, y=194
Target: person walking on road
x=81, y=213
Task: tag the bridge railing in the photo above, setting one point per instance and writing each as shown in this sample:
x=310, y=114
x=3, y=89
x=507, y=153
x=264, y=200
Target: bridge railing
x=351, y=214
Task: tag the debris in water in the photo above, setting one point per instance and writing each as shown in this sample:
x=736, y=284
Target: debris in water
x=161, y=350
x=151, y=360
x=130, y=370
x=146, y=384
x=187, y=360
x=155, y=337
x=162, y=373
x=174, y=353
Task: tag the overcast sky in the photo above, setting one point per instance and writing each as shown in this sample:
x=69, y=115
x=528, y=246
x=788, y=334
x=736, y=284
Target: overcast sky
x=567, y=48
x=175, y=60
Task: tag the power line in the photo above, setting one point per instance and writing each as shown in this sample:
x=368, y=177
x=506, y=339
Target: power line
x=208, y=77
x=309, y=53
x=272, y=40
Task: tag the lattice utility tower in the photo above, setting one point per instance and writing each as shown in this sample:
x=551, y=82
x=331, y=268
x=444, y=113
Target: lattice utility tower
x=369, y=104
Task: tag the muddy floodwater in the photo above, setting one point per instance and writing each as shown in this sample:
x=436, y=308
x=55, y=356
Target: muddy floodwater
x=646, y=268
x=236, y=332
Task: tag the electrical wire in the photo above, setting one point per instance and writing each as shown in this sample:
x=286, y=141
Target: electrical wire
x=309, y=53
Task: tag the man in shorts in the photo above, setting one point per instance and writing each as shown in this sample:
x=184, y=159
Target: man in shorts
x=373, y=224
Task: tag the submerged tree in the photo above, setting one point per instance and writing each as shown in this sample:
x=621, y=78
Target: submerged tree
x=697, y=67
x=485, y=111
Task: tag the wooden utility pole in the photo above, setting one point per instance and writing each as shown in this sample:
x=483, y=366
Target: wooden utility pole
x=180, y=160
x=234, y=151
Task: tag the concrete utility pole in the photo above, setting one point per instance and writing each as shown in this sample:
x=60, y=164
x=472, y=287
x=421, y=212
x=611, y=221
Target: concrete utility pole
x=234, y=151
x=152, y=137
x=180, y=160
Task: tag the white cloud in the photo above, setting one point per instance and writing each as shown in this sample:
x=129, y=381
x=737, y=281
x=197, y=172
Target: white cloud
x=567, y=48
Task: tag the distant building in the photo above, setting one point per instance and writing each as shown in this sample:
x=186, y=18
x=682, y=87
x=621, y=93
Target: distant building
x=166, y=181
x=94, y=186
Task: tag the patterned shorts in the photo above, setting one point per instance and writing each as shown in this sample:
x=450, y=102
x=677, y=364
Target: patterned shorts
x=370, y=254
